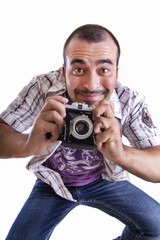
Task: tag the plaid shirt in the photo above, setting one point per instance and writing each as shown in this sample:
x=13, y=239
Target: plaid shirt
x=130, y=111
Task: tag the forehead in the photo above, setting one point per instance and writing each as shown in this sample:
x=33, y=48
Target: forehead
x=78, y=48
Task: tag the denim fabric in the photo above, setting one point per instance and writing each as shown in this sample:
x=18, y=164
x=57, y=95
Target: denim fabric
x=44, y=209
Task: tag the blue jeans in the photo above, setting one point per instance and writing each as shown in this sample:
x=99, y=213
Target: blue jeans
x=44, y=209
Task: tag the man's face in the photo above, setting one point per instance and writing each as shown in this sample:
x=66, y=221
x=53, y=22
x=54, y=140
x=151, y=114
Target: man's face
x=91, y=71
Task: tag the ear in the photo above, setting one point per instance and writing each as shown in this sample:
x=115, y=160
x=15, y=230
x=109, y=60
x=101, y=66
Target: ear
x=117, y=70
x=63, y=72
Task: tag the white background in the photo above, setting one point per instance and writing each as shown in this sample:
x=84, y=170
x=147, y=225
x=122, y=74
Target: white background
x=32, y=33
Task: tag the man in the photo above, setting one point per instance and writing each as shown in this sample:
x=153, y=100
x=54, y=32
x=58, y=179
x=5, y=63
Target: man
x=68, y=177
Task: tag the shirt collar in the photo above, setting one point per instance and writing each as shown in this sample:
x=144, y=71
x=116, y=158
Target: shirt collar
x=117, y=105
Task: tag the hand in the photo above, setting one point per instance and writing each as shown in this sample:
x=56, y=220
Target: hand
x=49, y=120
x=106, y=128
x=142, y=163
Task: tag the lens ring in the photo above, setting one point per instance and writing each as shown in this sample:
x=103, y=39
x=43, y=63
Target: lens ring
x=73, y=123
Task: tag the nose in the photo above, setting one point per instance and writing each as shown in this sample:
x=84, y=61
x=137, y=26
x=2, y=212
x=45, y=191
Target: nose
x=92, y=81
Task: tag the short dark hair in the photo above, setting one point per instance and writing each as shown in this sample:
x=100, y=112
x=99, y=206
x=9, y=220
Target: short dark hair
x=91, y=33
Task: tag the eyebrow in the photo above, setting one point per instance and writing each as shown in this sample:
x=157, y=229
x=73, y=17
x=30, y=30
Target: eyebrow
x=101, y=61
x=77, y=60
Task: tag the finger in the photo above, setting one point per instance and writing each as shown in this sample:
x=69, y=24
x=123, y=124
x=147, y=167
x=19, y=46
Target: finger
x=59, y=99
x=53, y=117
x=53, y=104
x=104, y=108
x=101, y=124
x=104, y=138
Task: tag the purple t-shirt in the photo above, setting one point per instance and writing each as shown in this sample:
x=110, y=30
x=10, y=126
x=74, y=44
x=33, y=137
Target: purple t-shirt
x=77, y=167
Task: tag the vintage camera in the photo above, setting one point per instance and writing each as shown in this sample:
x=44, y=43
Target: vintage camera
x=78, y=128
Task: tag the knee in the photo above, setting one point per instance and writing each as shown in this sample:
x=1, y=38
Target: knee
x=153, y=225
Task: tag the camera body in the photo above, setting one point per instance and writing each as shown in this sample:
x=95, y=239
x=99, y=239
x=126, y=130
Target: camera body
x=78, y=128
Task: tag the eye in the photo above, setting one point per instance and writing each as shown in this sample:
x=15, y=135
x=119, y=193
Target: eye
x=104, y=70
x=78, y=71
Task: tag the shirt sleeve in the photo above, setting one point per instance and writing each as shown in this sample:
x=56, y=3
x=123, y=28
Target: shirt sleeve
x=21, y=113
x=138, y=127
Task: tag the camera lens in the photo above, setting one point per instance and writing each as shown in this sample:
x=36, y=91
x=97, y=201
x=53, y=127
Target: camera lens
x=81, y=127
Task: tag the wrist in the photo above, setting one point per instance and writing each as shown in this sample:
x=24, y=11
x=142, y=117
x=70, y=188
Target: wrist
x=23, y=149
